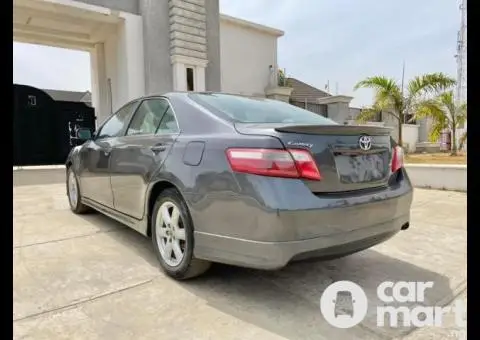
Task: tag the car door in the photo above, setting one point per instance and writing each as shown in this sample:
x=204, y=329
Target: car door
x=95, y=156
x=145, y=146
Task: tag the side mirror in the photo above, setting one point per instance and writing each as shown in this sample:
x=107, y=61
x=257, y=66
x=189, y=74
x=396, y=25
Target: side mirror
x=84, y=134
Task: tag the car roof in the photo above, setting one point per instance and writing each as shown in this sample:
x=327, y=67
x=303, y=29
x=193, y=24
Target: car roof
x=184, y=94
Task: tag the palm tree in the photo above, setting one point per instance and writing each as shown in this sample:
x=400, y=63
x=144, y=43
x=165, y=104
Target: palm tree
x=462, y=141
x=391, y=99
x=446, y=114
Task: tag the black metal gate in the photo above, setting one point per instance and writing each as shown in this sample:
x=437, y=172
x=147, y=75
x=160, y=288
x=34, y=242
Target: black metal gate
x=43, y=128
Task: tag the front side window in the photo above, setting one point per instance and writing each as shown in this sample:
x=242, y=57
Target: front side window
x=259, y=110
x=115, y=124
x=148, y=117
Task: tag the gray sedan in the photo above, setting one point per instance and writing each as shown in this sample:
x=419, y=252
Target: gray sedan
x=253, y=182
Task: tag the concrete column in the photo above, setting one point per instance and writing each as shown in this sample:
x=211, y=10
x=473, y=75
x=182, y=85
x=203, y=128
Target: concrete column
x=188, y=42
x=131, y=37
x=125, y=71
x=422, y=131
x=179, y=77
x=337, y=107
x=100, y=96
x=279, y=93
x=180, y=64
x=213, y=71
x=200, y=78
x=156, y=46
x=338, y=112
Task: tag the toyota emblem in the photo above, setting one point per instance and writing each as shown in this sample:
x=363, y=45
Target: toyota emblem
x=365, y=143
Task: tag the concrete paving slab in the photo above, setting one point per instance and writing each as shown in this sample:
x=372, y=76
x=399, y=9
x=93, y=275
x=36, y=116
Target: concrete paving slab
x=443, y=212
x=58, y=225
x=39, y=199
x=440, y=254
x=91, y=278
x=451, y=329
x=31, y=177
x=51, y=275
x=161, y=309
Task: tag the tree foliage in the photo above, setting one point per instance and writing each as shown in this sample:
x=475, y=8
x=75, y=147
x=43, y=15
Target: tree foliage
x=445, y=114
x=391, y=99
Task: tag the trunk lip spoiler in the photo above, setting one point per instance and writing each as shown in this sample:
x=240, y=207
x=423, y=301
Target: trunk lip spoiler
x=333, y=129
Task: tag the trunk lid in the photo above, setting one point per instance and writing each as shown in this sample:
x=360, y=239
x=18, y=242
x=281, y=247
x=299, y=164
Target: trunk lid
x=349, y=157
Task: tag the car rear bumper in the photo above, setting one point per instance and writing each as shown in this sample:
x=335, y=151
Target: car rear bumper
x=274, y=255
x=271, y=231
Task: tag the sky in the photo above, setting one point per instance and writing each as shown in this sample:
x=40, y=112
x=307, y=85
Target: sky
x=336, y=41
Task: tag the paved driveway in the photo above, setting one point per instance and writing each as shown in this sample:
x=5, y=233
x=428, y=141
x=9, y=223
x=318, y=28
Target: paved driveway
x=88, y=277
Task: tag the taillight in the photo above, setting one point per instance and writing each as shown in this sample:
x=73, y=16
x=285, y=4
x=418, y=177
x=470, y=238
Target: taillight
x=305, y=164
x=292, y=163
x=397, y=158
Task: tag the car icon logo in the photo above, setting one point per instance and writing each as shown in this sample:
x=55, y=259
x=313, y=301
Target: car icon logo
x=344, y=303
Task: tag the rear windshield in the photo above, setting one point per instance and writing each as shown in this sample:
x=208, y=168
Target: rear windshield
x=258, y=110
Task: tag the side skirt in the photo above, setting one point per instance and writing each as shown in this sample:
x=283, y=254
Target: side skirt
x=137, y=225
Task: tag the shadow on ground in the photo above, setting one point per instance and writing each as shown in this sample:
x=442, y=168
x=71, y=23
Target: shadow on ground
x=286, y=302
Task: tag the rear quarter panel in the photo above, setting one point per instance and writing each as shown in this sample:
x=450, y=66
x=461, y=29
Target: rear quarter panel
x=217, y=201
x=255, y=207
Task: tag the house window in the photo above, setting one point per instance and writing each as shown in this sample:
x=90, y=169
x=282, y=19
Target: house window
x=32, y=100
x=190, y=79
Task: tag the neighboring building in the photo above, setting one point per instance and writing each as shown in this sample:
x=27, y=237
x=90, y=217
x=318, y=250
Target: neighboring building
x=310, y=98
x=306, y=96
x=143, y=47
x=248, y=56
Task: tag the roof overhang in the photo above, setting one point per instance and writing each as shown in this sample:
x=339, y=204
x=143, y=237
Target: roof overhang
x=334, y=99
x=248, y=24
x=62, y=23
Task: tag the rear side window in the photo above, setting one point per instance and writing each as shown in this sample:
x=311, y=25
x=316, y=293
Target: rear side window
x=148, y=116
x=169, y=123
x=258, y=110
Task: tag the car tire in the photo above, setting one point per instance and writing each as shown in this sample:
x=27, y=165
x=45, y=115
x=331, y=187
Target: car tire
x=73, y=194
x=172, y=237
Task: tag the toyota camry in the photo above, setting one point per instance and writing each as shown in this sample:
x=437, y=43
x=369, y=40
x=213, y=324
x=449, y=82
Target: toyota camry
x=252, y=182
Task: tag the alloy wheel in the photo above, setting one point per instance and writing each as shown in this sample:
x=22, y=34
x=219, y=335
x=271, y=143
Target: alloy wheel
x=72, y=189
x=170, y=234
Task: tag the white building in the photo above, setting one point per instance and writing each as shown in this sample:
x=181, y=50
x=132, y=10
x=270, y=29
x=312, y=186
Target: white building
x=141, y=47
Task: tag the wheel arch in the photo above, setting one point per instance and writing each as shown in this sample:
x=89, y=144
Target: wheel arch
x=68, y=165
x=155, y=191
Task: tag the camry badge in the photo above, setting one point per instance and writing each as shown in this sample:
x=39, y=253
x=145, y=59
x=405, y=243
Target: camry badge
x=305, y=145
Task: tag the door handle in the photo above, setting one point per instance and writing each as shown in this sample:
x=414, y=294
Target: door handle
x=158, y=148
